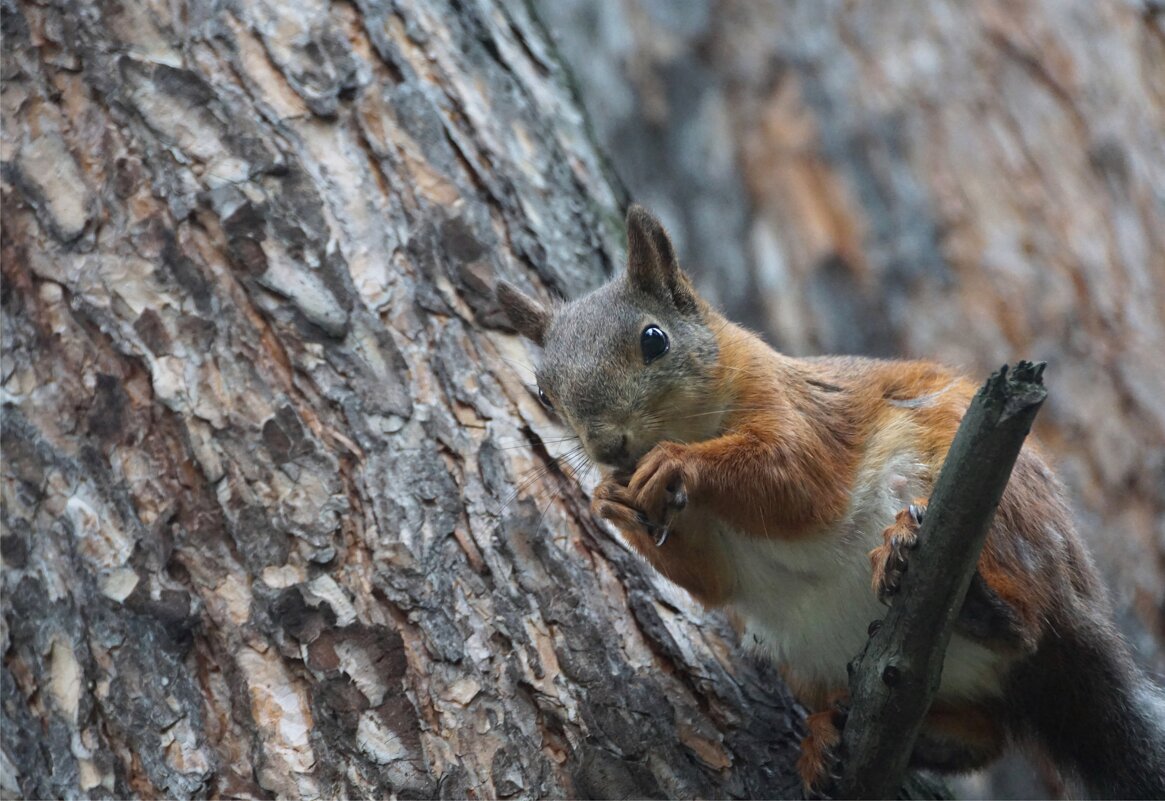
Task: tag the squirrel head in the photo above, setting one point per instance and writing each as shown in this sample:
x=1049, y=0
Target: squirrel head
x=634, y=362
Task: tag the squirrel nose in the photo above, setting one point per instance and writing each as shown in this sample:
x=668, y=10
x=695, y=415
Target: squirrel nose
x=612, y=452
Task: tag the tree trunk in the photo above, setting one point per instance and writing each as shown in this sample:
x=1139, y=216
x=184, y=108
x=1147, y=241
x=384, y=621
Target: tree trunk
x=272, y=515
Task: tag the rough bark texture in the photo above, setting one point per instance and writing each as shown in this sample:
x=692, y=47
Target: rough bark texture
x=976, y=181
x=266, y=522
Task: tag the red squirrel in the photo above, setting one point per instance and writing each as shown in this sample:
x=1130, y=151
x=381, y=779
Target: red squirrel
x=789, y=490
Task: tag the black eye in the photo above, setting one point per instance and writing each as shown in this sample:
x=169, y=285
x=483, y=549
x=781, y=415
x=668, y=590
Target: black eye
x=654, y=343
x=545, y=400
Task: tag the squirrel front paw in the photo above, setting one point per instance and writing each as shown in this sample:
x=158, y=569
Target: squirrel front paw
x=890, y=559
x=614, y=503
x=661, y=483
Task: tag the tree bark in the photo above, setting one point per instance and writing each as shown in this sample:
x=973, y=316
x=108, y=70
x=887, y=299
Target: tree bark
x=269, y=526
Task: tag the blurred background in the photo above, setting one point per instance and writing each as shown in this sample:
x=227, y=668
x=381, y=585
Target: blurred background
x=976, y=182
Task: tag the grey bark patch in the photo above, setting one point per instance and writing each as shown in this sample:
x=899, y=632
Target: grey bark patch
x=441, y=636
x=1111, y=162
x=417, y=113
x=317, y=62
x=277, y=441
x=492, y=468
x=392, y=395
x=107, y=414
x=184, y=85
x=246, y=230
x=338, y=703
x=428, y=481
x=600, y=774
x=378, y=381
x=284, y=436
x=855, y=313
x=58, y=743
x=24, y=744
x=315, y=305
x=506, y=772
x=461, y=242
x=406, y=773
x=14, y=546
x=26, y=456
x=174, y=611
x=151, y=691
x=182, y=269
x=152, y=330
x=258, y=541
x=303, y=622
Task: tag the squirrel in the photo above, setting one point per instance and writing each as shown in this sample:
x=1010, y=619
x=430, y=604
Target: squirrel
x=790, y=491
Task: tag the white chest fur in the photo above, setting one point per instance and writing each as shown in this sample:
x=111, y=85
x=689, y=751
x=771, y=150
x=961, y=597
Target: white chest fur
x=809, y=603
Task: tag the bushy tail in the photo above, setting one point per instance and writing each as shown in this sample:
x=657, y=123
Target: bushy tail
x=1097, y=716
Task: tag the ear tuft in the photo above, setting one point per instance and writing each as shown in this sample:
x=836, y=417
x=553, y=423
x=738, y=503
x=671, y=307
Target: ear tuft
x=651, y=260
x=529, y=317
x=644, y=235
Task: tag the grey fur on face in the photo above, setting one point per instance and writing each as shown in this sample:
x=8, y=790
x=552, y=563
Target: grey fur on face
x=593, y=369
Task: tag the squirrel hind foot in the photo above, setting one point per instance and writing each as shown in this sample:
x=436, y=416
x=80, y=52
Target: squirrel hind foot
x=819, y=763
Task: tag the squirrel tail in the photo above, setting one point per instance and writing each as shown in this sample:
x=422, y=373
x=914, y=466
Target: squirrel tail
x=1097, y=715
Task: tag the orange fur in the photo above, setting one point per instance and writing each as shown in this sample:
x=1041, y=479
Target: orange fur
x=955, y=737
x=974, y=728
x=689, y=561
x=819, y=748
x=812, y=694
x=784, y=463
x=784, y=467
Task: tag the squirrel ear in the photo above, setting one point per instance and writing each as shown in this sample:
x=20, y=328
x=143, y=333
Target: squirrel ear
x=528, y=316
x=651, y=260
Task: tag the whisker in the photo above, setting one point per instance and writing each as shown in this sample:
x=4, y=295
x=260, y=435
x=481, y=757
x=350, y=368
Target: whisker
x=526, y=444
x=537, y=475
x=519, y=365
x=577, y=463
x=728, y=411
x=545, y=509
x=570, y=464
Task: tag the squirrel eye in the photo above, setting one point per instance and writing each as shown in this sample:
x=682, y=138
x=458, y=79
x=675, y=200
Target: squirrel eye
x=545, y=400
x=654, y=343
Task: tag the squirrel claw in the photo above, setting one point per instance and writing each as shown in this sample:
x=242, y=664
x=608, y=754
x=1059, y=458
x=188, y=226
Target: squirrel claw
x=661, y=532
x=916, y=513
x=890, y=560
x=819, y=764
x=677, y=500
x=660, y=485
